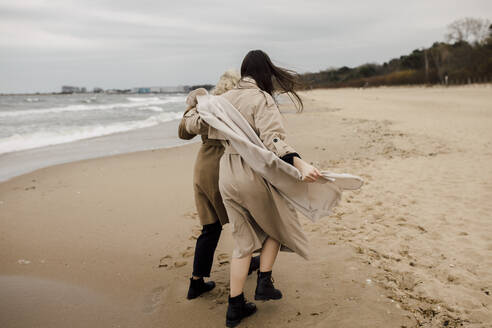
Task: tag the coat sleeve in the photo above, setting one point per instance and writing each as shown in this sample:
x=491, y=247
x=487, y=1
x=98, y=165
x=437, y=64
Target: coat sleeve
x=269, y=123
x=191, y=124
x=182, y=133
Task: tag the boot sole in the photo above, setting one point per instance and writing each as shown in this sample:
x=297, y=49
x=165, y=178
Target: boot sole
x=265, y=298
x=234, y=323
x=193, y=296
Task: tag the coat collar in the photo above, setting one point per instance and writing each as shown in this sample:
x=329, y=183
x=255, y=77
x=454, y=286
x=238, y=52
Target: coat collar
x=247, y=82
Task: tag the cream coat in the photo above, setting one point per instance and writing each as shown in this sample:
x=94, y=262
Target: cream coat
x=249, y=182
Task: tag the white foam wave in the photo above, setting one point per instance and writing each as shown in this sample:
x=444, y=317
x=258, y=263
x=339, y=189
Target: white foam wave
x=152, y=108
x=90, y=100
x=142, y=99
x=151, y=101
x=68, y=134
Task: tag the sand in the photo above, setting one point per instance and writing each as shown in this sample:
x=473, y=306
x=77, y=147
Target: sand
x=109, y=242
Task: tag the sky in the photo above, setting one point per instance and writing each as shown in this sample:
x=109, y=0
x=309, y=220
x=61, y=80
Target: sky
x=124, y=44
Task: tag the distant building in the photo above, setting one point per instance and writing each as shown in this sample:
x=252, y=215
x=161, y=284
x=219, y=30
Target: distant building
x=175, y=89
x=118, y=91
x=70, y=89
x=97, y=90
x=143, y=90
x=188, y=88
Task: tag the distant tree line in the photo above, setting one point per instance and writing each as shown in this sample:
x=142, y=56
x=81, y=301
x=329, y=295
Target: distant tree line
x=466, y=57
x=189, y=88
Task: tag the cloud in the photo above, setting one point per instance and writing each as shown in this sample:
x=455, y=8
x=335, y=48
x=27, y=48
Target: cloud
x=125, y=43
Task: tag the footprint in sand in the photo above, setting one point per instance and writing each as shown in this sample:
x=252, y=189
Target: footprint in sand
x=196, y=232
x=407, y=281
x=189, y=252
x=219, y=294
x=223, y=258
x=152, y=301
x=179, y=264
x=165, y=261
x=191, y=215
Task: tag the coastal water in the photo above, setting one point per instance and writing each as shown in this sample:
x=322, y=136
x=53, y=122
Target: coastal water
x=28, y=122
x=39, y=131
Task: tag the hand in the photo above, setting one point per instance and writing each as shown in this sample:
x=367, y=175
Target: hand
x=309, y=173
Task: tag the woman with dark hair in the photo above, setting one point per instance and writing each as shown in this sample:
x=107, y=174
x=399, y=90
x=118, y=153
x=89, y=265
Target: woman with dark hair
x=257, y=224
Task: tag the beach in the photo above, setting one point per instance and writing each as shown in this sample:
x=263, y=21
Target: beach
x=109, y=241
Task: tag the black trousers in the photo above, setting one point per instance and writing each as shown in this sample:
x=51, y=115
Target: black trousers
x=205, y=249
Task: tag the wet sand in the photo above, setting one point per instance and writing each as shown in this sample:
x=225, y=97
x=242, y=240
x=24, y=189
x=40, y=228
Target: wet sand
x=109, y=241
x=156, y=137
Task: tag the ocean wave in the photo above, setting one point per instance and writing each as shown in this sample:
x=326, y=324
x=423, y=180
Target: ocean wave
x=150, y=101
x=142, y=99
x=66, y=134
x=152, y=108
x=90, y=100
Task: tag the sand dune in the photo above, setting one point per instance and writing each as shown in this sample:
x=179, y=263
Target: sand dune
x=413, y=248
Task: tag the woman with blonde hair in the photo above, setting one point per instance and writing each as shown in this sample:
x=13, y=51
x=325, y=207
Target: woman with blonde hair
x=208, y=200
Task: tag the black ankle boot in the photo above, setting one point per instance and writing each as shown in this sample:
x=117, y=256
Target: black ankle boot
x=198, y=287
x=254, y=265
x=238, y=309
x=264, y=287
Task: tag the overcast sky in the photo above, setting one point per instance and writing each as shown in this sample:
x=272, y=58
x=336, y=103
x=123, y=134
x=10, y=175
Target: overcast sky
x=123, y=44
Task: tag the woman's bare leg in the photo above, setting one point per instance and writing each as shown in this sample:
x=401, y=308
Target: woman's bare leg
x=239, y=273
x=268, y=254
x=265, y=290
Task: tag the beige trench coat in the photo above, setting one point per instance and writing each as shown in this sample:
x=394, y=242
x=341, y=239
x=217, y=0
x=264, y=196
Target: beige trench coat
x=208, y=200
x=280, y=183
x=247, y=196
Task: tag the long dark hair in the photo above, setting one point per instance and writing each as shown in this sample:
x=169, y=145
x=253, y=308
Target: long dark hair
x=269, y=77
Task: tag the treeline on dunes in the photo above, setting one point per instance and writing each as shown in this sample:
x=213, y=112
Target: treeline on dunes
x=465, y=58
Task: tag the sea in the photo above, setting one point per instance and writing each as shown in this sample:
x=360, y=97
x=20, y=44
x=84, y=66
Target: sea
x=42, y=130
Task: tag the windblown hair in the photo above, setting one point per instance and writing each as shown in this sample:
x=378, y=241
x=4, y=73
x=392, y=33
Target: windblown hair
x=270, y=78
x=228, y=81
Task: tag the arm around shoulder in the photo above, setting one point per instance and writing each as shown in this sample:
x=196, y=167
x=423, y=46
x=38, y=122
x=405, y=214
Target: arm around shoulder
x=182, y=133
x=193, y=124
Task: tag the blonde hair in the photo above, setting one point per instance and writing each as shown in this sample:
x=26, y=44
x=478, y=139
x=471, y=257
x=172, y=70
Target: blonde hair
x=228, y=81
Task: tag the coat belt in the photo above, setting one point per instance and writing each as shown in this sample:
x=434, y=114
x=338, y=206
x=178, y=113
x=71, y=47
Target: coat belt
x=230, y=151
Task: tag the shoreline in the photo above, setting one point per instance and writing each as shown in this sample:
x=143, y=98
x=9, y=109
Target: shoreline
x=412, y=248
x=90, y=148
x=90, y=93
x=477, y=84
x=161, y=136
